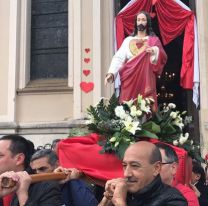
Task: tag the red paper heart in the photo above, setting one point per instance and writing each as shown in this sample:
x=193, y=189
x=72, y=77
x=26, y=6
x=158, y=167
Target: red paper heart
x=87, y=60
x=86, y=72
x=87, y=50
x=86, y=86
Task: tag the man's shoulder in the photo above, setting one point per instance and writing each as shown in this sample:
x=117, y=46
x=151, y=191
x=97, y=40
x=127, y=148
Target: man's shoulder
x=44, y=186
x=173, y=196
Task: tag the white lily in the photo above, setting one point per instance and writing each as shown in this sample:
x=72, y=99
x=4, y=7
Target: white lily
x=116, y=144
x=175, y=142
x=171, y=106
x=134, y=112
x=112, y=139
x=143, y=106
x=120, y=112
x=131, y=126
x=178, y=122
x=173, y=115
x=129, y=103
x=184, y=138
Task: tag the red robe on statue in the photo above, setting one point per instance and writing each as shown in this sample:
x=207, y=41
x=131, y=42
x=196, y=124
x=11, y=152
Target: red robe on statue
x=138, y=75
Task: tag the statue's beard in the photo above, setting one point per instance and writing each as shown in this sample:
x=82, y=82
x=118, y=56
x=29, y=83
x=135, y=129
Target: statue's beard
x=141, y=27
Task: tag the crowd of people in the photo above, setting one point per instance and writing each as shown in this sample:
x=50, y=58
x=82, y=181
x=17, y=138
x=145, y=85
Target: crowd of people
x=149, y=171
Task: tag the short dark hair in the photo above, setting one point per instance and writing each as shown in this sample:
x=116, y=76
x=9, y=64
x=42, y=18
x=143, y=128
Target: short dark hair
x=54, y=143
x=198, y=169
x=170, y=153
x=51, y=155
x=20, y=145
x=155, y=156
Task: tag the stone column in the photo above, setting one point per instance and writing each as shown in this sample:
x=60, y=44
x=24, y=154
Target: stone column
x=202, y=15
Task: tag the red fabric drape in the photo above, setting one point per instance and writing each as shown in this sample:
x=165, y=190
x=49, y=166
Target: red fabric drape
x=173, y=21
x=125, y=19
x=83, y=153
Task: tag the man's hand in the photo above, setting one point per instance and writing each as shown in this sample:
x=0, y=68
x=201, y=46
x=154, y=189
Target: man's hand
x=23, y=187
x=72, y=173
x=7, y=190
x=196, y=191
x=116, y=190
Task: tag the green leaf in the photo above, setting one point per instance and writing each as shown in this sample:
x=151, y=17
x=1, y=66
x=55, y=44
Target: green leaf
x=145, y=133
x=168, y=129
x=151, y=127
x=121, y=149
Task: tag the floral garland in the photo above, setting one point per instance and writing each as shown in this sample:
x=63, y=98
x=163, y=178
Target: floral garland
x=122, y=124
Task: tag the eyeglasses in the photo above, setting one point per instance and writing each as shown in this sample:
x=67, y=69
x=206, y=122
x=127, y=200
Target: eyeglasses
x=167, y=163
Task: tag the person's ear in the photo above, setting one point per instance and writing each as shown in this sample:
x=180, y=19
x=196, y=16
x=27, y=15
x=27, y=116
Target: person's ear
x=157, y=168
x=19, y=159
x=198, y=176
x=174, y=167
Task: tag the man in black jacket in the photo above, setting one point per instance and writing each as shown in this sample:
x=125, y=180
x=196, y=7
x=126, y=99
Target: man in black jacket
x=141, y=185
x=15, y=154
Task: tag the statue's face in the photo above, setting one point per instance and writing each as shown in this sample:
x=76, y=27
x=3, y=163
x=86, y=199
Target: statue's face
x=141, y=22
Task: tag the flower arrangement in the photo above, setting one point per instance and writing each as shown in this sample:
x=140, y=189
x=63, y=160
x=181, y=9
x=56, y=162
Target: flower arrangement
x=122, y=124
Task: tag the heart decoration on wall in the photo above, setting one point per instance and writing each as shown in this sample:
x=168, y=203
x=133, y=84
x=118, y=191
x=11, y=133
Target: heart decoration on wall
x=87, y=86
x=87, y=50
x=87, y=60
x=86, y=72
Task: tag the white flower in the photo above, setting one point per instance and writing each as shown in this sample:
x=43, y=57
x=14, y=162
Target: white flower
x=173, y=115
x=143, y=106
x=112, y=139
x=131, y=126
x=116, y=144
x=90, y=120
x=175, y=142
x=178, y=122
x=166, y=109
x=191, y=142
x=171, y=106
x=120, y=112
x=134, y=112
x=129, y=103
x=149, y=100
x=184, y=138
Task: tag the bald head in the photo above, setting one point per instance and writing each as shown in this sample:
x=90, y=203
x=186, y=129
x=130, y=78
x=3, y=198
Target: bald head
x=141, y=164
x=147, y=149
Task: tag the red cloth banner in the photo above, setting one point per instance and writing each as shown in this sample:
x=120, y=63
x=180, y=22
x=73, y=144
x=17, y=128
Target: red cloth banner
x=83, y=153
